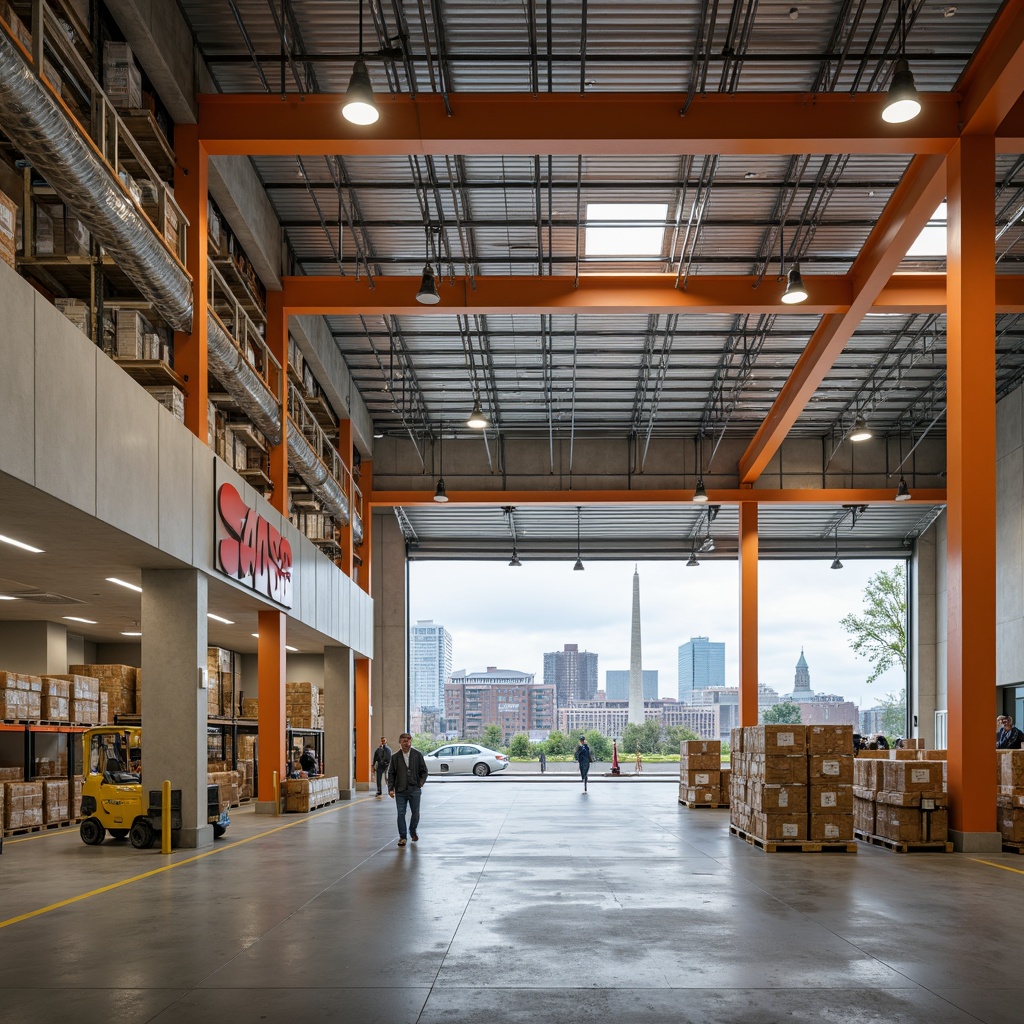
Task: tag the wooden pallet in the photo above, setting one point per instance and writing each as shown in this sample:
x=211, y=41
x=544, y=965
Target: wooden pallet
x=692, y=805
x=899, y=846
x=785, y=846
x=1011, y=847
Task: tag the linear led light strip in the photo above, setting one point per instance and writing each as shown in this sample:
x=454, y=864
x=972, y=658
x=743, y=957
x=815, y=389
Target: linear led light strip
x=20, y=544
x=294, y=650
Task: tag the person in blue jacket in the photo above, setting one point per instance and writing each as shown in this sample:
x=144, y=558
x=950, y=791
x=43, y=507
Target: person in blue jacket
x=583, y=757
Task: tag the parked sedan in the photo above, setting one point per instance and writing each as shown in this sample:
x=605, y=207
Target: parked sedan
x=464, y=758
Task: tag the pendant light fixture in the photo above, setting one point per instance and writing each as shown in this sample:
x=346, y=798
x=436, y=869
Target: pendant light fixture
x=902, y=491
x=836, y=564
x=440, y=495
x=795, y=291
x=700, y=495
x=693, y=558
x=902, y=103
x=861, y=431
x=578, y=567
x=427, y=295
x=477, y=420
x=515, y=563
x=359, y=106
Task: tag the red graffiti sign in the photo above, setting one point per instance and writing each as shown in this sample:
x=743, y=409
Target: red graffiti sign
x=252, y=551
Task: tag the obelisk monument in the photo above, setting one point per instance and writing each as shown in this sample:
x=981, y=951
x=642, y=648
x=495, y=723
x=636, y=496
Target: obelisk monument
x=636, y=673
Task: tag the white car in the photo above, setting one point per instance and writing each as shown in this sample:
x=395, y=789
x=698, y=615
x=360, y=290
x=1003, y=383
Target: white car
x=464, y=758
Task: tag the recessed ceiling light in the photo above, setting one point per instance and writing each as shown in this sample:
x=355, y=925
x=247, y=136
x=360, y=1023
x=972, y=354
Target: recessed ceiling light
x=256, y=635
x=75, y=618
x=294, y=650
x=7, y=597
x=217, y=618
x=123, y=583
x=130, y=634
x=948, y=12
x=21, y=544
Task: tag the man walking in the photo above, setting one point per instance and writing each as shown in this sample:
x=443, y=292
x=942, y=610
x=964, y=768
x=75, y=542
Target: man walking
x=583, y=757
x=381, y=760
x=407, y=772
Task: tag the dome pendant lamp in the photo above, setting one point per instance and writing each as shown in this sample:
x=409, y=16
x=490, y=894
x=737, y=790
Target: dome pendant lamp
x=902, y=103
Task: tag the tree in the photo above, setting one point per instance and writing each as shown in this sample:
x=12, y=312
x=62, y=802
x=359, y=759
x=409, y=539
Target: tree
x=558, y=743
x=425, y=743
x=783, y=713
x=646, y=738
x=520, y=746
x=880, y=632
x=600, y=745
x=894, y=714
x=674, y=736
x=492, y=736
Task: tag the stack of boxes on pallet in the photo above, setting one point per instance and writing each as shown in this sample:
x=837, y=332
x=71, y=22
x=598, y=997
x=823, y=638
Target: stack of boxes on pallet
x=900, y=796
x=702, y=779
x=303, y=706
x=223, y=680
x=122, y=79
x=1010, y=797
x=69, y=698
x=793, y=783
x=118, y=685
x=302, y=795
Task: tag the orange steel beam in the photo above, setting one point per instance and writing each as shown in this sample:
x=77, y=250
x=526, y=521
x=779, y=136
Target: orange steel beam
x=621, y=293
x=748, y=651
x=991, y=84
x=796, y=496
x=971, y=468
x=277, y=342
x=643, y=124
x=913, y=203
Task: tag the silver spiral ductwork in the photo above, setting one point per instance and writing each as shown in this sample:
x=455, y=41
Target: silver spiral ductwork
x=41, y=130
x=38, y=126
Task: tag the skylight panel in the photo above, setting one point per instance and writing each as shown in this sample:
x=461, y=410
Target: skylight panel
x=642, y=232
x=932, y=240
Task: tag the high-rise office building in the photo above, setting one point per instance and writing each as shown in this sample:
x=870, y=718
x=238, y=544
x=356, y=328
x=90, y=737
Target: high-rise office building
x=572, y=672
x=430, y=663
x=616, y=684
x=701, y=664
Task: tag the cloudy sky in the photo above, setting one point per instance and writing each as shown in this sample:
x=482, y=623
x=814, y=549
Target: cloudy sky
x=509, y=617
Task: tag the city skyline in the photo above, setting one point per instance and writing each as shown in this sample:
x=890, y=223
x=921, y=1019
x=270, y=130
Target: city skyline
x=510, y=617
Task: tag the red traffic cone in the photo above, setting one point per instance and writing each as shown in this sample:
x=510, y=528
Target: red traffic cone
x=615, y=759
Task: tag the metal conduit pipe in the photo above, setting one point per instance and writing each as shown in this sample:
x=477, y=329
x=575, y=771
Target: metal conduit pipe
x=38, y=126
x=311, y=468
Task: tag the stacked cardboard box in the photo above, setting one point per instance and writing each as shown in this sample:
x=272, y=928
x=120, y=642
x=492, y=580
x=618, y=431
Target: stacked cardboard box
x=55, y=801
x=911, y=804
x=76, y=310
x=132, y=328
x=830, y=781
x=85, y=696
x=302, y=706
x=230, y=783
x=20, y=697
x=250, y=707
x=8, y=228
x=867, y=781
x=302, y=795
x=56, y=700
x=170, y=397
x=118, y=682
x=10, y=773
x=1010, y=794
x=122, y=79
x=700, y=772
x=23, y=804
x=222, y=668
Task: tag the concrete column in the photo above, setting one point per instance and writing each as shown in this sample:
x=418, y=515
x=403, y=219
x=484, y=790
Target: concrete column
x=174, y=704
x=390, y=633
x=338, y=677
x=923, y=645
x=35, y=648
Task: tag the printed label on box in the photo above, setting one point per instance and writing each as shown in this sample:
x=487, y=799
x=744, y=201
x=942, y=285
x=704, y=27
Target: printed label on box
x=829, y=767
x=831, y=831
x=920, y=775
x=790, y=831
x=927, y=804
x=784, y=739
x=783, y=797
x=828, y=799
x=702, y=778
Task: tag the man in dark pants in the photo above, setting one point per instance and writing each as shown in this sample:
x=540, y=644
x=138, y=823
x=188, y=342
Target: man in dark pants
x=583, y=757
x=381, y=760
x=407, y=773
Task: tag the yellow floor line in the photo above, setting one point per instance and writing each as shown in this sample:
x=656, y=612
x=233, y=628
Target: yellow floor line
x=1003, y=867
x=177, y=864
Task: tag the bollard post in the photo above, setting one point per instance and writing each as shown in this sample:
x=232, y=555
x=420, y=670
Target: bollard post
x=165, y=818
x=277, y=797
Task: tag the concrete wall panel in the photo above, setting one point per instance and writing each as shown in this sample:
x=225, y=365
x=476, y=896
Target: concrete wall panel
x=17, y=381
x=65, y=408
x=127, y=453
x=175, y=488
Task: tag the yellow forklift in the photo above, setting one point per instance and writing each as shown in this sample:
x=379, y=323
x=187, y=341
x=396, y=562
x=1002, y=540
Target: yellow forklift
x=112, y=799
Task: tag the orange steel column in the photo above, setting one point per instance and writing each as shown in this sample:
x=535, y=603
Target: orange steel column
x=277, y=342
x=971, y=485
x=271, y=722
x=190, y=350
x=748, y=612
x=361, y=720
x=346, y=531
x=366, y=548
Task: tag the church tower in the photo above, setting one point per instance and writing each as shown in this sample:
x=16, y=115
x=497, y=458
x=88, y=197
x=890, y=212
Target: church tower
x=802, y=682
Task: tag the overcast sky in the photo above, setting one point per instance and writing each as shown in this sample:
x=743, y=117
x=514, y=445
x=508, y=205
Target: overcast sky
x=509, y=617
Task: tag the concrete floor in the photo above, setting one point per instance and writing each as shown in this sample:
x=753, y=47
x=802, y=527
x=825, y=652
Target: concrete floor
x=521, y=903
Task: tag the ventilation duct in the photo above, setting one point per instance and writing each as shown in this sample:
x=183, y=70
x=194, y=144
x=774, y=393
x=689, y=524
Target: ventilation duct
x=35, y=123
x=54, y=146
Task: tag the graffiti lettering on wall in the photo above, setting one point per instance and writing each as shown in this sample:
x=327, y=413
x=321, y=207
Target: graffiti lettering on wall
x=250, y=550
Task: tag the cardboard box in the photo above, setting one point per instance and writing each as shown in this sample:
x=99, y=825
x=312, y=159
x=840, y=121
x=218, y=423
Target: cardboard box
x=701, y=762
x=779, y=827
x=863, y=813
x=830, y=739
x=1011, y=768
x=23, y=804
x=778, y=769
x=698, y=795
x=783, y=739
x=867, y=773
x=906, y=776
x=1011, y=824
x=691, y=777
x=833, y=768
x=688, y=747
x=830, y=798
x=55, y=801
x=790, y=799
x=830, y=828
